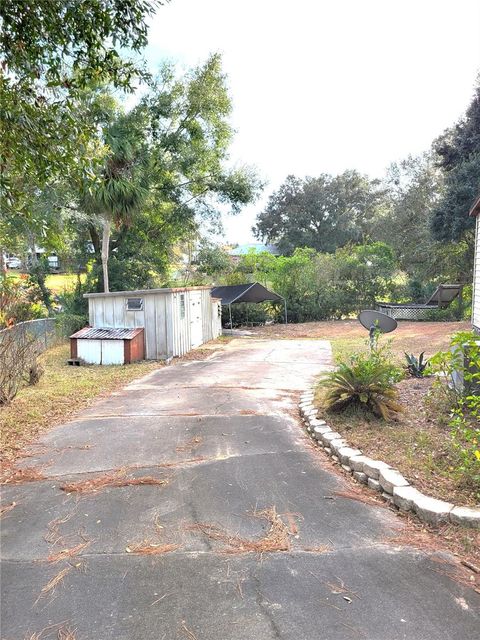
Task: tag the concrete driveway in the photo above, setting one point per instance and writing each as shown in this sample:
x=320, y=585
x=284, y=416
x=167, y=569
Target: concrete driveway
x=190, y=505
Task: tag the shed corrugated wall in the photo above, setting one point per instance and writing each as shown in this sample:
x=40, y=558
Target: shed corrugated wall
x=167, y=334
x=111, y=311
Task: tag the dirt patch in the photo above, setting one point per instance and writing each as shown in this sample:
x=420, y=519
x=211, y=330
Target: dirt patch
x=197, y=354
x=419, y=335
x=417, y=443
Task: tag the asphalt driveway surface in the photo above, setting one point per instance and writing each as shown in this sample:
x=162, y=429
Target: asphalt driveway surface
x=189, y=505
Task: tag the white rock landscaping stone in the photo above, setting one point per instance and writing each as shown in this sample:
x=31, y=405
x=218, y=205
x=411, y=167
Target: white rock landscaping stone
x=346, y=468
x=345, y=453
x=336, y=445
x=432, y=510
x=357, y=462
x=360, y=477
x=403, y=497
x=317, y=423
x=374, y=484
x=306, y=409
x=372, y=468
x=319, y=431
x=331, y=435
x=390, y=478
x=466, y=516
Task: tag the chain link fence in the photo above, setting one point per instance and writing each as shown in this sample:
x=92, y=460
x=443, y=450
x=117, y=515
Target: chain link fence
x=42, y=331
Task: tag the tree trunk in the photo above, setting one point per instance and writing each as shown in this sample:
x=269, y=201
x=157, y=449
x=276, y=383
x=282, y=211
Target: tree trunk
x=105, y=250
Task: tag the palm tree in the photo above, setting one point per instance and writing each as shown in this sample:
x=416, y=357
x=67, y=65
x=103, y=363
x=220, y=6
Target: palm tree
x=122, y=187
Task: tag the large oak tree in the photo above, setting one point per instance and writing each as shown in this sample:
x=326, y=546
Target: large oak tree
x=323, y=213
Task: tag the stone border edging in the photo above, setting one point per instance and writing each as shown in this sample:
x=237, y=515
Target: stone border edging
x=382, y=477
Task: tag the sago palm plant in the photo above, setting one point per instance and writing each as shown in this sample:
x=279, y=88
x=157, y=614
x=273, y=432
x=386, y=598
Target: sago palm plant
x=365, y=382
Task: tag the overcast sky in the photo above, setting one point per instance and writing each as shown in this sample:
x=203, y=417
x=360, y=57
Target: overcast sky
x=320, y=86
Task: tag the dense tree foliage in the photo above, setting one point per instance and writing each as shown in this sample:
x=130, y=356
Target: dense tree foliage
x=322, y=213
x=458, y=152
x=49, y=52
x=412, y=186
x=165, y=165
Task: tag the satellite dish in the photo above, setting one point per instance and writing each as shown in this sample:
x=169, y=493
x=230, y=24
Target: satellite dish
x=376, y=321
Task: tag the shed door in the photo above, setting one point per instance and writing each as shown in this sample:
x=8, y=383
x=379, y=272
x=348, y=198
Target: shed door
x=196, y=332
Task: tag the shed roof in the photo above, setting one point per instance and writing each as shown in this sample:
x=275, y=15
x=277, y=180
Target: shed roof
x=143, y=292
x=252, y=292
x=475, y=210
x=106, y=333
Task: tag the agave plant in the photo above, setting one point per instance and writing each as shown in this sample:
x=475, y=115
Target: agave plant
x=416, y=366
x=364, y=383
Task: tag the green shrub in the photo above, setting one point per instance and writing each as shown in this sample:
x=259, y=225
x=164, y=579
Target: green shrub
x=463, y=401
x=367, y=381
x=68, y=323
x=72, y=301
x=417, y=367
x=19, y=301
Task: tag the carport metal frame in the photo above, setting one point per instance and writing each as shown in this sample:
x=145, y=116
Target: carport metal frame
x=244, y=292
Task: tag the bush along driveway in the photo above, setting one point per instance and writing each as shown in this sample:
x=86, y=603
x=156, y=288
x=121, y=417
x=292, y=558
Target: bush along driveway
x=191, y=505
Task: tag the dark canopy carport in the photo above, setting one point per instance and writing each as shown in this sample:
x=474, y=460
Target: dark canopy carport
x=252, y=292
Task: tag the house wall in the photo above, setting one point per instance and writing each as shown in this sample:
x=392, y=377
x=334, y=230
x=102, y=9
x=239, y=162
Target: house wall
x=476, y=279
x=168, y=332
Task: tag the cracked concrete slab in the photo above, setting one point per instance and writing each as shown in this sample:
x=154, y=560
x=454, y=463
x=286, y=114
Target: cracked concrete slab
x=223, y=435
x=288, y=596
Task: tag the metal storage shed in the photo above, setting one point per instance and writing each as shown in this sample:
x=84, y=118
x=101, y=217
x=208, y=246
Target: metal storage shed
x=174, y=320
x=252, y=292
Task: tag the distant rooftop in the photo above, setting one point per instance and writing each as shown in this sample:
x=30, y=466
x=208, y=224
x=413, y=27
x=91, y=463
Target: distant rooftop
x=257, y=247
